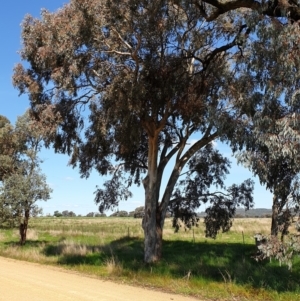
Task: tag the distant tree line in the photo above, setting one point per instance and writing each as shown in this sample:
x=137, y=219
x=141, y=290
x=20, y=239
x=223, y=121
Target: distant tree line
x=64, y=213
x=137, y=213
x=96, y=214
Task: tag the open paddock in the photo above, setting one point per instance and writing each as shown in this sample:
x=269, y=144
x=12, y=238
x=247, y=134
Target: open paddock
x=112, y=248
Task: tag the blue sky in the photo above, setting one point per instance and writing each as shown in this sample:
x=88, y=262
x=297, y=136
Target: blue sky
x=70, y=192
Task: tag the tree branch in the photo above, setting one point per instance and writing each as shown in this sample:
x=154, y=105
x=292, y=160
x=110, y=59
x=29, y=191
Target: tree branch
x=121, y=39
x=276, y=8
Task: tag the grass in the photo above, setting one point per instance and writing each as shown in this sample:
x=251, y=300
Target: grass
x=112, y=248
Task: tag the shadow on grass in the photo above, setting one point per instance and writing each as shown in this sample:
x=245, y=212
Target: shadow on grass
x=29, y=243
x=125, y=249
x=211, y=261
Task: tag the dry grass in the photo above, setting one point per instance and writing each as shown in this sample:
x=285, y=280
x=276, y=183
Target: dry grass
x=69, y=247
x=252, y=225
x=113, y=266
x=32, y=234
x=241, y=226
x=15, y=234
x=55, y=232
x=2, y=236
x=31, y=254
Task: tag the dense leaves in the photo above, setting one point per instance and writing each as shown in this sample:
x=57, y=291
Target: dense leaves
x=113, y=191
x=221, y=213
x=19, y=194
x=207, y=171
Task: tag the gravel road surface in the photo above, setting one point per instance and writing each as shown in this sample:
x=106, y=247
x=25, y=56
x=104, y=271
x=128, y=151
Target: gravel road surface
x=24, y=281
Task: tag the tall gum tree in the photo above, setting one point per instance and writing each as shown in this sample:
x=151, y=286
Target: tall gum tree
x=153, y=74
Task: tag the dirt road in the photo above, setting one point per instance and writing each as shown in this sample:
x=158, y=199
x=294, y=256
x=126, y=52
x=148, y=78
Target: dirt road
x=32, y=282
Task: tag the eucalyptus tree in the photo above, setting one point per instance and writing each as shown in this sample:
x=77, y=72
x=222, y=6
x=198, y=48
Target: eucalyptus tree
x=18, y=196
x=24, y=185
x=141, y=79
x=276, y=169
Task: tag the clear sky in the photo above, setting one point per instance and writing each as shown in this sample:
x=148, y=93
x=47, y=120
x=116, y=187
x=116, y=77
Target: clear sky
x=70, y=192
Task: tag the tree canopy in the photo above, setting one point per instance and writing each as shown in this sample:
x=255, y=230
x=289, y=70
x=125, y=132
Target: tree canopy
x=129, y=83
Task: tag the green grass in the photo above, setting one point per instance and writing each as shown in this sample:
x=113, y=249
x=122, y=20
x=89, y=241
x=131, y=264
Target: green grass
x=112, y=248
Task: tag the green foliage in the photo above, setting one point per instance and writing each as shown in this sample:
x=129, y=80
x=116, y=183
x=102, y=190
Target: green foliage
x=24, y=184
x=57, y=213
x=9, y=147
x=283, y=251
x=280, y=174
x=208, y=170
x=19, y=193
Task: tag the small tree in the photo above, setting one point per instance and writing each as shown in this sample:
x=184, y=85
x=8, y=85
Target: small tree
x=18, y=196
x=72, y=214
x=57, y=213
x=65, y=213
x=23, y=184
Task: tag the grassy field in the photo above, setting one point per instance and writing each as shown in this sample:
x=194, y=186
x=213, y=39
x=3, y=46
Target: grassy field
x=112, y=248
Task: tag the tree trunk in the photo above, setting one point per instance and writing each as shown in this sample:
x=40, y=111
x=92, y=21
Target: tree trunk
x=155, y=212
x=152, y=217
x=275, y=212
x=23, y=228
x=153, y=236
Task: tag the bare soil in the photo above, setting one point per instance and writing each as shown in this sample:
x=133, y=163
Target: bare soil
x=33, y=282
